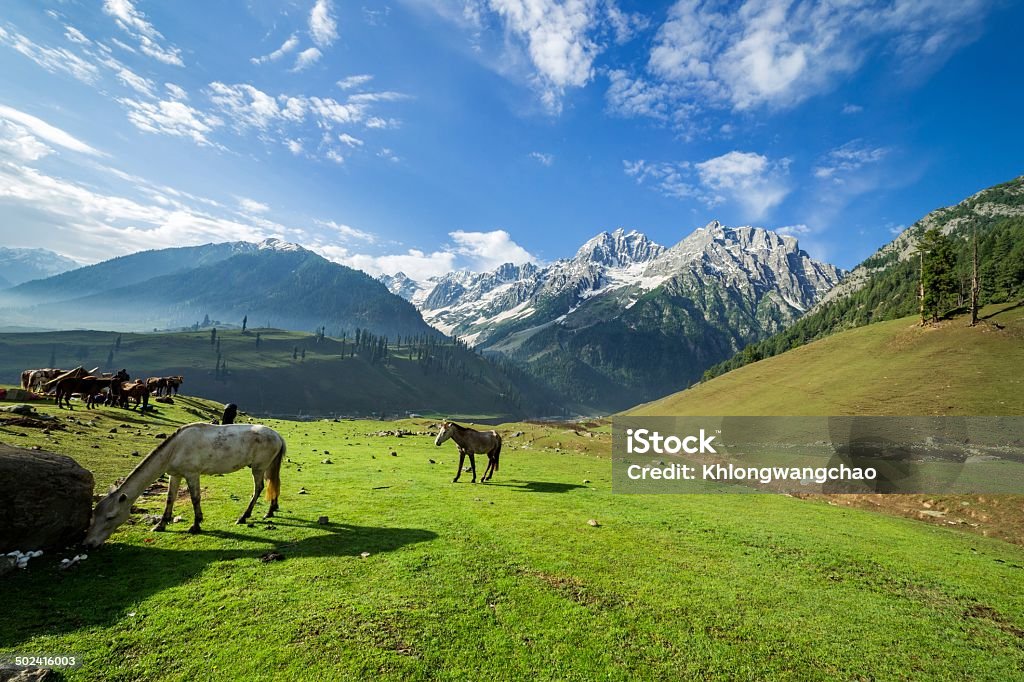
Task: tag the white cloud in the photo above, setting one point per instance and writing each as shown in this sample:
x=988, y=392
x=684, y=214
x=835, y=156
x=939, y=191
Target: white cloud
x=54, y=60
x=482, y=251
x=41, y=129
x=17, y=142
x=542, y=158
x=777, y=53
x=347, y=231
x=474, y=251
x=748, y=179
x=350, y=82
x=294, y=146
x=76, y=36
x=322, y=26
x=139, y=84
x=671, y=179
x=558, y=41
x=245, y=105
x=171, y=117
x=848, y=158
x=248, y=205
x=176, y=91
x=852, y=108
x=347, y=139
x=794, y=230
x=417, y=264
x=92, y=225
x=306, y=59
x=287, y=46
x=134, y=22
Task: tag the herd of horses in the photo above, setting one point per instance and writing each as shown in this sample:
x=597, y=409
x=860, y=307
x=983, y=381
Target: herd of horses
x=202, y=448
x=103, y=389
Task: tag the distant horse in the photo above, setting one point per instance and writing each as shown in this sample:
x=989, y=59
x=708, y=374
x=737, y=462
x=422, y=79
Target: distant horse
x=174, y=383
x=156, y=385
x=86, y=386
x=192, y=450
x=470, y=442
x=35, y=379
x=137, y=391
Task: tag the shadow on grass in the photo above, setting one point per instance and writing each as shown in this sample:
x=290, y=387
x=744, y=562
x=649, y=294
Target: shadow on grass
x=1008, y=308
x=117, y=576
x=538, y=486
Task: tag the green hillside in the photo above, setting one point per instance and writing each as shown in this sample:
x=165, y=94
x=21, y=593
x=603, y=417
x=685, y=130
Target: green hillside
x=416, y=578
x=887, y=368
x=885, y=285
x=274, y=372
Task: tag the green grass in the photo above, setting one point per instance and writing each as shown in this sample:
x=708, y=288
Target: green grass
x=507, y=580
x=266, y=379
x=894, y=368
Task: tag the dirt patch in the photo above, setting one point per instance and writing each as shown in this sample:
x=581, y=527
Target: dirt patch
x=983, y=612
x=576, y=590
x=995, y=516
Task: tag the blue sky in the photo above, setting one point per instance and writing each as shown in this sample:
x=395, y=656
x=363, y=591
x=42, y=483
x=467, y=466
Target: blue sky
x=429, y=135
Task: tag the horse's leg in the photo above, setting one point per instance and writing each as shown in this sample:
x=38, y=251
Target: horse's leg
x=193, y=491
x=257, y=488
x=489, y=470
x=472, y=464
x=462, y=460
x=172, y=496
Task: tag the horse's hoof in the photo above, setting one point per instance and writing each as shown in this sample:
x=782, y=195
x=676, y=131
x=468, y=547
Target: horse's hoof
x=241, y=521
x=159, y=528
x=194, y=530
x=268, y=515
x=455, y=480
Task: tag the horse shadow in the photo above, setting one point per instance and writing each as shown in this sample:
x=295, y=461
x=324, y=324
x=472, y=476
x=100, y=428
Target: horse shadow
x=98, y=592
x=538, y=486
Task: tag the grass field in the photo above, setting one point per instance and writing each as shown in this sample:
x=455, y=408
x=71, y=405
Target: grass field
x=895, y=367
x=505, y=580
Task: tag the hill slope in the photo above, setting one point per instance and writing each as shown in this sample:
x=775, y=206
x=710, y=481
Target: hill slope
x=22, y=265
x=888, y=368
x=885, y=285
x=291, y=373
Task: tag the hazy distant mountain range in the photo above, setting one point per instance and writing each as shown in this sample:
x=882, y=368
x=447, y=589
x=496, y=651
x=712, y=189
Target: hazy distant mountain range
x=274, y=283
x=626, y=319
x=23, y=265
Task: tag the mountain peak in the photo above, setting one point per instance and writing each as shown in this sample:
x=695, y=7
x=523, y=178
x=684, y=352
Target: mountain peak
x=618, y=248
x=275, y=244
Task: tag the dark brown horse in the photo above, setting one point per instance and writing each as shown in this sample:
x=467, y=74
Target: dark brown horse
x=87, y=386
x=470, y=442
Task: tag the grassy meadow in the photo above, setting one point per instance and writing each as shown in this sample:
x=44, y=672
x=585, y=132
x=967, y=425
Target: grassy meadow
x=284, y=373
x=418, y=578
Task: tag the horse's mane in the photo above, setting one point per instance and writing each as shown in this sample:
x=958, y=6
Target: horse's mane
x=158, y=449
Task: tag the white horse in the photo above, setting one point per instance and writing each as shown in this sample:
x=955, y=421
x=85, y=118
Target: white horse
x=192, y=450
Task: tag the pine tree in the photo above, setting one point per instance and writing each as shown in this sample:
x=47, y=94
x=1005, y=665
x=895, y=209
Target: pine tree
x=245, y=322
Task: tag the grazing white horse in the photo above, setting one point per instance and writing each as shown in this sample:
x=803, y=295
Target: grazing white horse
x=192, y=450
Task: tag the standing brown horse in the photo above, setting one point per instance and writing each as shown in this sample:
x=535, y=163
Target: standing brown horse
x=87, y=386
x=470, y=442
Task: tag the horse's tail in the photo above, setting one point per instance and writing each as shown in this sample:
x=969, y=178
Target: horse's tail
x=273, y=474
x=497, y=452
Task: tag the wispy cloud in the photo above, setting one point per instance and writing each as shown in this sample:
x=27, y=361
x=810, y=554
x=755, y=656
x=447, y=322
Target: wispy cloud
x=287, y=46
x=54, y=60
x=306, y=59
x=777, y=53
x=748, y=180
x=171, y=117
x=350, y=82
x=248, y=205
x=43, y=130
x=347, y=232
x=323, y=28
x=848, y=158
x=543, y=158
x=135, y=23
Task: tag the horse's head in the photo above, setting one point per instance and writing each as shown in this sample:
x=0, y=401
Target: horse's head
x=122, y=375
x=445, y=433
x=110, y=512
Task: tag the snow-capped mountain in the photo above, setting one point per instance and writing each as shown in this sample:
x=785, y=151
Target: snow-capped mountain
x=697, y=302
x=22, y=265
